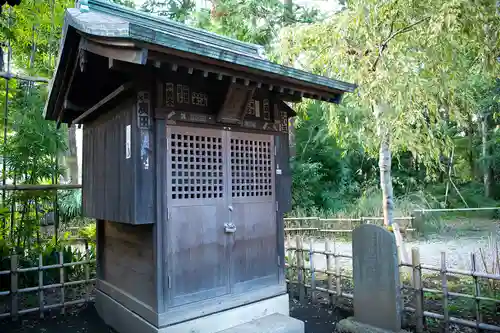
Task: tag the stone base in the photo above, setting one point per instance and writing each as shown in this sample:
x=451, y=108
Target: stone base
x=273, y=318
x=275, y=323
x=350, y=325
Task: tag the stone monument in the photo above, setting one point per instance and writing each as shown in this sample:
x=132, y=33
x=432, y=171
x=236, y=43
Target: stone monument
x=377, y=296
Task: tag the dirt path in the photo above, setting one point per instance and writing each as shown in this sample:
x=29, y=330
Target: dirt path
x=458, y=251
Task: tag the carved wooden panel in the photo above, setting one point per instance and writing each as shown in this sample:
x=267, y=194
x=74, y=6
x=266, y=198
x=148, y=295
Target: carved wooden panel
x=185, y=97
x=143, y=110
x=266, y=111
x=235, y=105
x=283, y=122
x=169, y=95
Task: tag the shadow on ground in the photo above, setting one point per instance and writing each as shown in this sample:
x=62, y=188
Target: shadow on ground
x=318, y=318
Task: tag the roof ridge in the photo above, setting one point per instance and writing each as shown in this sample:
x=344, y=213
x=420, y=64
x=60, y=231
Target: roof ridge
x=173, y=27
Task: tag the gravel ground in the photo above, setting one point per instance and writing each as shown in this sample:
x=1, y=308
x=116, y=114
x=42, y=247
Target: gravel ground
x=458, y=251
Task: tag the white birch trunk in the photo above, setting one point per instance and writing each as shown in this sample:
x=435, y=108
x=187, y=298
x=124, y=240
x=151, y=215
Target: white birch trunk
x=485, y=155
x=384, y=163
x=288, y=10
x=72, y=156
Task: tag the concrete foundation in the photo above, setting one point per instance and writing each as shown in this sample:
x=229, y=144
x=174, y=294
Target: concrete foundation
x=350, y=325
x=266, y=316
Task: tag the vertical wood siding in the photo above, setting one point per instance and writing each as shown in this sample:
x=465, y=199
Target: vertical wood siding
x=283, y=194
x=128, y=260
x=116, y=188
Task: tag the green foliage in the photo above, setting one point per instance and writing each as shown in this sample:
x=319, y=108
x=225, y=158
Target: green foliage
x=35, y=25
x=34, y=142
x=88, y=232
x=177, y=10
x=50, y=256
x=126, y=3
x=434, y=64
x=70, y=204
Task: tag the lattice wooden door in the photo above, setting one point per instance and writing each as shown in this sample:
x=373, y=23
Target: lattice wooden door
x=197, y=208
x=252, y=199
x=221, y=224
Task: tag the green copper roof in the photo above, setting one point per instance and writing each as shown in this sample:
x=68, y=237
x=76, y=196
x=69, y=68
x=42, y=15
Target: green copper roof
x=107, y=19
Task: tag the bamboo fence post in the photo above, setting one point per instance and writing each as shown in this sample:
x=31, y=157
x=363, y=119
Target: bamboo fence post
x=477, y=291
x=300, y=268
x=61, y=280
x=313, y=276
x=417, y=287
x=329, y=267
x=288, y=264
x=14, y=279
x=338, y=280
x=444, y=287
x=40, y=284
x=87, y=272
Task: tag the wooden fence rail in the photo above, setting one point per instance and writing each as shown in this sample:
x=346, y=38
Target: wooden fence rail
x=329, y=279
x=419, y=289
x=324, y=225
x=15, y=291
x=307, y=279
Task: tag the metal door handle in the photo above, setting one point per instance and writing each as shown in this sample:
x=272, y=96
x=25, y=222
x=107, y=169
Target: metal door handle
x=229, y=228
x=230, y=208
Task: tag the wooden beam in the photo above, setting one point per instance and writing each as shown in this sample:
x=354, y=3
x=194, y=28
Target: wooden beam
x=58, y=103
x=70, y=82
x=123, y=66
x=9, y=76
x=68, y=105
x=129, y=54
x=40, y=187
x=98, y=105
x=215, y=66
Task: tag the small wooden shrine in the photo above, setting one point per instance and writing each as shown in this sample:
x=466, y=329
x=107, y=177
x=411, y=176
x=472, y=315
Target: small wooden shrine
x=185, y=166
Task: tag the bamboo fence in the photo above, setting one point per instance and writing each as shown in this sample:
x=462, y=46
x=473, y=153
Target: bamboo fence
x=15, y=292
x=333, y=283
x=314, y=224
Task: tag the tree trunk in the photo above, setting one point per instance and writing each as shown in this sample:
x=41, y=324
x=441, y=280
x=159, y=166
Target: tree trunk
x=385, y=163
x=485, y=156
x=291, y=136
x=288, y=19
x=288, y=11
x=72, y=158
x=470, y=154
x=385, y=178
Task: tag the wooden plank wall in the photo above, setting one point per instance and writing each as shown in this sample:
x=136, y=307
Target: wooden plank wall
x=128, y=260
x=115, y=187
x=283, y=193
x=107, y=176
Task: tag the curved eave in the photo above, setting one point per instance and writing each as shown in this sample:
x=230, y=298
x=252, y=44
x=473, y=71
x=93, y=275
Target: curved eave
x=106, y=23
x=107, y=20
x=68, y=52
